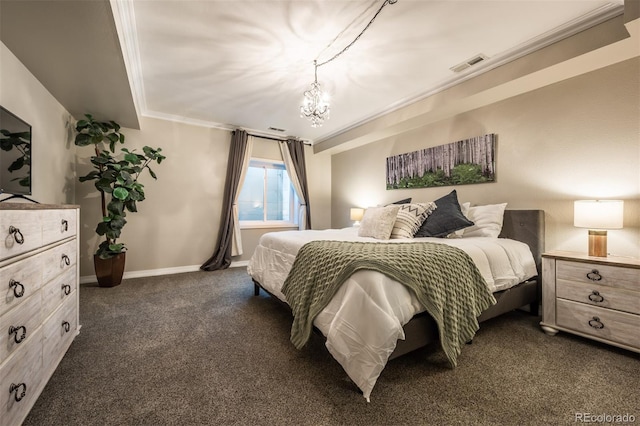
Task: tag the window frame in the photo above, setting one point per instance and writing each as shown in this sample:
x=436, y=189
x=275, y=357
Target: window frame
x=266, y=163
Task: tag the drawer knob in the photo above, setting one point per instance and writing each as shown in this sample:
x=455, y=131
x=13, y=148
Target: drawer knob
x=66, y=260
x=65, y=225
x=15, y=330
x=66, y=288
x=16, y=388
x=17, y=235
x=18, y=288
x=596, y=323
x=594, y=275
x=596, y=297
x=66, y=326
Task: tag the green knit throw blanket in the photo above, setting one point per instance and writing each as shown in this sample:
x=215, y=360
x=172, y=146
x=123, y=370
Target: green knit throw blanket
x=444, y=279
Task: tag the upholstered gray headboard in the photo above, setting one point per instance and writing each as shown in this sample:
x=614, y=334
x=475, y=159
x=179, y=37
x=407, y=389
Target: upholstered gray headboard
x=526, y=226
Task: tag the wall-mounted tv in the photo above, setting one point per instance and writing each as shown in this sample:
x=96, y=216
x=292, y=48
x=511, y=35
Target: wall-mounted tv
x=15, y=154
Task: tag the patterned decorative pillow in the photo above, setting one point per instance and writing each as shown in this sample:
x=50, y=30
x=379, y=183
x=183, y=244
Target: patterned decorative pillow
x=447, y=218
x=410, y=217
x=378, y=222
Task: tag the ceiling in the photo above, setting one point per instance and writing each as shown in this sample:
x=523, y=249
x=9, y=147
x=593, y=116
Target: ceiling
x=246, y=63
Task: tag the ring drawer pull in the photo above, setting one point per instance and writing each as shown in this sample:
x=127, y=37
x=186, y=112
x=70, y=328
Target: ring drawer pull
x=16, y=388
x=66, y=260
x=17, y=235
x=66, y=326
x=66, y=288
x=596, y=323
x=18, y=288
x=596, y=297
x=15, y=330
x=594, y=275
x=65, y=225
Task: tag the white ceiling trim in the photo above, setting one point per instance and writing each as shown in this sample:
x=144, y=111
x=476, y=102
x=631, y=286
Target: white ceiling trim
x=598, y=16
x=124, y=16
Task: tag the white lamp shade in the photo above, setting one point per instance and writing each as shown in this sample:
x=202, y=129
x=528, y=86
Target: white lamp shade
x=598, y=214
x=356, y=213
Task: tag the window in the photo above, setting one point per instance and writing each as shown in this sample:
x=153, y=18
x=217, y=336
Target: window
x=267, y=198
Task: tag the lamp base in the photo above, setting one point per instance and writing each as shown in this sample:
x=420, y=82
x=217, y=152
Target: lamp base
x=597, y=243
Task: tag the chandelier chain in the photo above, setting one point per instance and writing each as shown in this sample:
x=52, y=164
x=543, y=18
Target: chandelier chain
x=357, y=37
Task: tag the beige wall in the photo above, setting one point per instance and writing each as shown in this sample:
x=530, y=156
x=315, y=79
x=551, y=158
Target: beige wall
x=176, y=227
x=577, y=139
x=53, y=151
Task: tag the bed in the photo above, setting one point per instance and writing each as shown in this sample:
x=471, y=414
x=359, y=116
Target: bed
x=373, y=319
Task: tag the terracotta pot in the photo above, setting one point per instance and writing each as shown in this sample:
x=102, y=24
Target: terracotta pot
x=109, y=271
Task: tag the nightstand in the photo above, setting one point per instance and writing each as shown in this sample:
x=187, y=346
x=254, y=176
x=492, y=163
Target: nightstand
x=593, y=297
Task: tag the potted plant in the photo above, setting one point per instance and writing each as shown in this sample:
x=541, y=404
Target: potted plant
x=117, y=181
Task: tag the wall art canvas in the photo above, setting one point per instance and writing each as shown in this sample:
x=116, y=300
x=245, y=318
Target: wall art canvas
x=464, y=162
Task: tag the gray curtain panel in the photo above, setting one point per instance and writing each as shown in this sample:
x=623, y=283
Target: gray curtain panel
x=296, y=149
x=221, y=258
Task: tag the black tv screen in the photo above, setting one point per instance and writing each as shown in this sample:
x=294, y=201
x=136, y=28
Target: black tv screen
x=15, y=154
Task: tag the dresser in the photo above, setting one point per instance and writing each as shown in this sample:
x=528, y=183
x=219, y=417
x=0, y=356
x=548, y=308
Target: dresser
x=593, y=297
x=39, y=303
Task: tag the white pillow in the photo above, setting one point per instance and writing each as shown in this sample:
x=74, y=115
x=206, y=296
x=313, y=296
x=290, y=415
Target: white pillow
x=487, y=220
x=410, y=217
x=378, y=222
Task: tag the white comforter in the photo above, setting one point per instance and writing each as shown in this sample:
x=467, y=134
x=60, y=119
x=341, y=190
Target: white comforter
x=364, y=320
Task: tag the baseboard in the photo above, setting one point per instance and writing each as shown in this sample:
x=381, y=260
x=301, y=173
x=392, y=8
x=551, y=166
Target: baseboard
x=87, y=279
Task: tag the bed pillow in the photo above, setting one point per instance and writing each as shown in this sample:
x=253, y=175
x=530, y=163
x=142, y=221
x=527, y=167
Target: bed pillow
x=446, y=218
x=487, y=220
x=464, y=208
x=404, y=201
x=410, y=217
x=378, y=222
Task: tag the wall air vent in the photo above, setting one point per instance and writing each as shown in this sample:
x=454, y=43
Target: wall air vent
x=469, y=63
x=275, y=129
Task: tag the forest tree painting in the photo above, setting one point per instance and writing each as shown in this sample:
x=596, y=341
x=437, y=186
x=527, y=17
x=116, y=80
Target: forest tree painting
x=458, y=163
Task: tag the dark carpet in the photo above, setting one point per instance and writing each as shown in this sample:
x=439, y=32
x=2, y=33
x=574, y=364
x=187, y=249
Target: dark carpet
x=200, y=349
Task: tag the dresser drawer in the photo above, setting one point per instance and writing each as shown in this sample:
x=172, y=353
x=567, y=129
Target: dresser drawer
x=59, y=259
x=18, y=325
x=57, y=291
x=22, y=373
x=620, y=327
x=607, y=275
x=18, y=281
x=599, y=295
x=58, y=225
x=20, y=232
x=59, y=330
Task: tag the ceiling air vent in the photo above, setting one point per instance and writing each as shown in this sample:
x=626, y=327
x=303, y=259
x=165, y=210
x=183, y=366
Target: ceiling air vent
x=469, y=63
x=275, y=129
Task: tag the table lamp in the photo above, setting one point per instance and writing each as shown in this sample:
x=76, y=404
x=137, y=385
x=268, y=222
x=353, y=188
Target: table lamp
x=356, y=215
x=598, y=216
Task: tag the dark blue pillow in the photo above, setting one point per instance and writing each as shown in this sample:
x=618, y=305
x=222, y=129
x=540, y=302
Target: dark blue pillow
x=445, y=219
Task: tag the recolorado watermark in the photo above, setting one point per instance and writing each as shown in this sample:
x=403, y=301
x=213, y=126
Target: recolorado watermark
x=625, y=418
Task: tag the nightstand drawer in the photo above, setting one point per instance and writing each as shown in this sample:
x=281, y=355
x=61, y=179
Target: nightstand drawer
x=607, y=275
x=599, y=295
x=604, y=323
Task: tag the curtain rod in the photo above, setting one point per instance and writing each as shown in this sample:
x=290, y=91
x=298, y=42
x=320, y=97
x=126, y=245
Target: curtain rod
x=274, y=139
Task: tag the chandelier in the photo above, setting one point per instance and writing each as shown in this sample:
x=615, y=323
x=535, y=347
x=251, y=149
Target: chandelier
x=315, y=105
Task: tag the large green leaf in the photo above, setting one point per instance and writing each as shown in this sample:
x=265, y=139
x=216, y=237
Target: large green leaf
x=120, y=193
x=104, y=185
x=83, y=139
x=90, y=176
